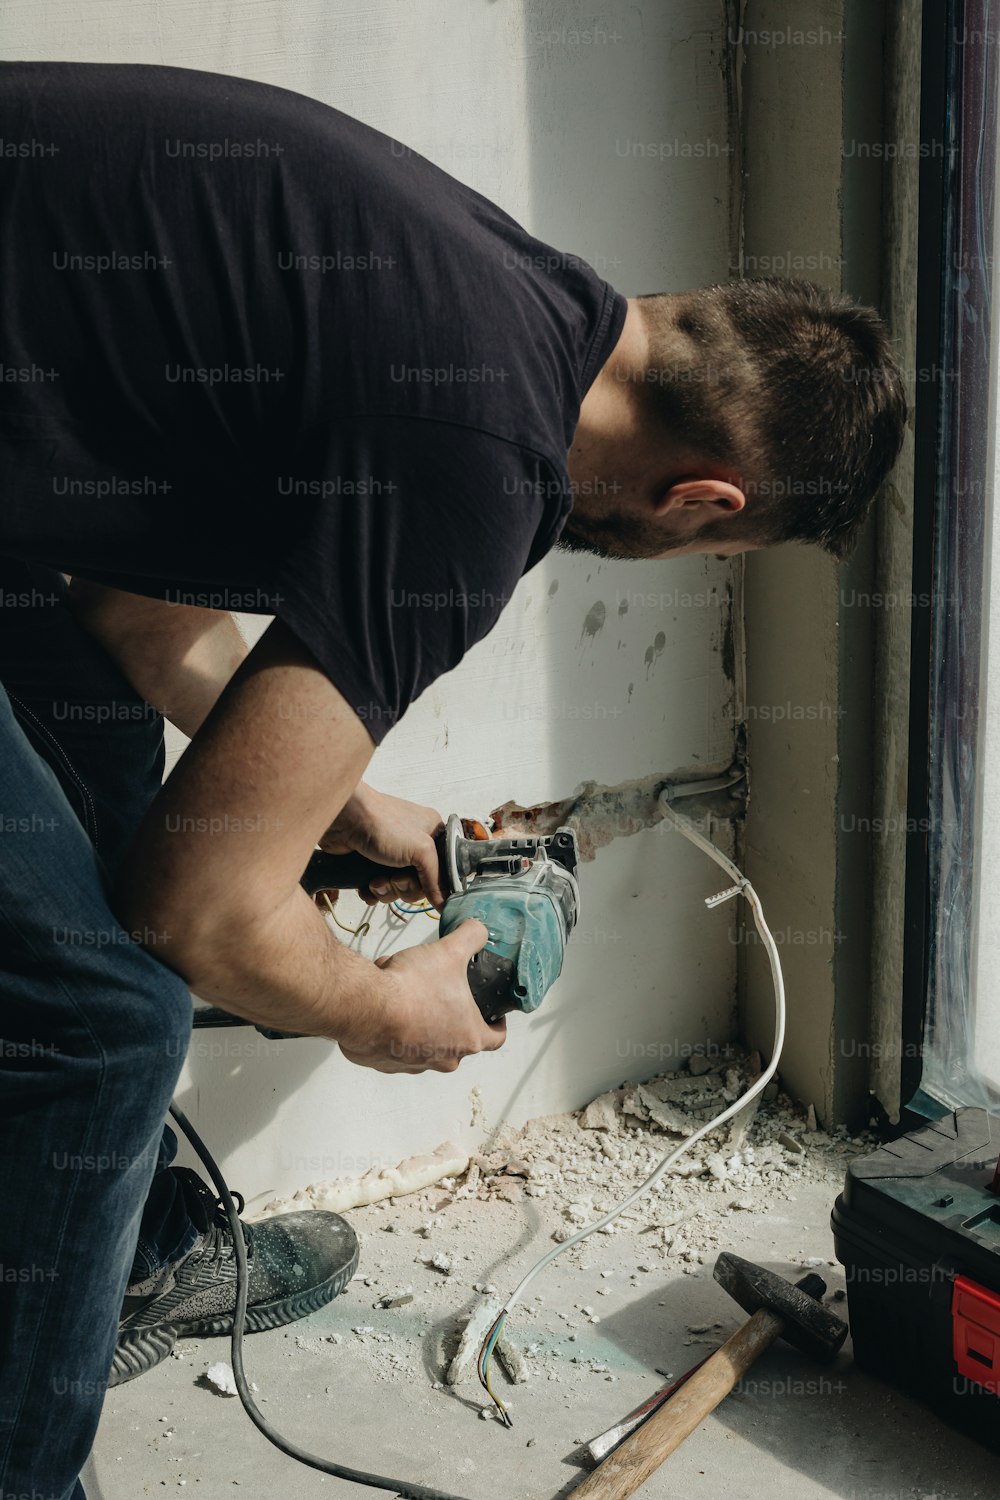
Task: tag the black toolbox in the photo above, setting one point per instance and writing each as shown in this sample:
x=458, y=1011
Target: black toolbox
x=917, y=1229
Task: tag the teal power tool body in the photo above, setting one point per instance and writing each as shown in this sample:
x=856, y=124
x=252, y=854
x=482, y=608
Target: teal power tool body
x=522, y=888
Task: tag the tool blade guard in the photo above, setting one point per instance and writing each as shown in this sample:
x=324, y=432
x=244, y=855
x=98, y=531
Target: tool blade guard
x=524, y=890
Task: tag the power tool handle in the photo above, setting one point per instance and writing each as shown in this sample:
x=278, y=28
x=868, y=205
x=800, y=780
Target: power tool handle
x=490, y=974
x=346, y=872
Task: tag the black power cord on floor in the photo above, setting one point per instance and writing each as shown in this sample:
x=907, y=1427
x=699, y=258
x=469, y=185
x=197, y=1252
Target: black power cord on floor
x=325, y=1465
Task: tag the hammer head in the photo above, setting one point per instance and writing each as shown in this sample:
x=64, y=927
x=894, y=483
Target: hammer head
x=809, y=1325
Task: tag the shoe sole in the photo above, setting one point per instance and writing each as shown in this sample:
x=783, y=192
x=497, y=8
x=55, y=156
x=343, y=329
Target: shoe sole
x=139, y=1349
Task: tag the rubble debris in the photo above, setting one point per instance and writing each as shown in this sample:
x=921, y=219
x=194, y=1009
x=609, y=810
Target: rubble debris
x=442, y=1165
x=745, y=1117
x=571, y=1169
x=582, y=1166
x=600, y=1113
x=221, y=1379
x=512, y=1360
x=476, y=1328
x=471, y=1183
x=510, y=1190
x=664, y=1114
x=399, y=1298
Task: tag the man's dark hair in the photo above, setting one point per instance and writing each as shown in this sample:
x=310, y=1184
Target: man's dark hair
x=794, y=387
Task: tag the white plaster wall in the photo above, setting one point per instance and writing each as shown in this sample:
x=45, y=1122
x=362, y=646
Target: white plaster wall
x=603, y=129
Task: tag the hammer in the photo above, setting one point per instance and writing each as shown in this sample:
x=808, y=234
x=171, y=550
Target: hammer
x=778, y=1309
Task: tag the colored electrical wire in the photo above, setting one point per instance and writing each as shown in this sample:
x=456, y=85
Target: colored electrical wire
x=483, y=1367
x=416, y=911
x=358, y=932
x=741, y=886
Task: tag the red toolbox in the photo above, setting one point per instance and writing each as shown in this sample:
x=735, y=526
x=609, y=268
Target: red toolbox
x=917, y=1229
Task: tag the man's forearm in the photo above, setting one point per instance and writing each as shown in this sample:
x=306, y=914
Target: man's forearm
x=213, y=875
x=177, y=657
x=288, y=971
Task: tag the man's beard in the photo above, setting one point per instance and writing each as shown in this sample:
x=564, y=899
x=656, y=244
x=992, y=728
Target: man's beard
x=616, y=536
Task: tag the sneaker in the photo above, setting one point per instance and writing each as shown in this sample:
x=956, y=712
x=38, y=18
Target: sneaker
x=296, y=1262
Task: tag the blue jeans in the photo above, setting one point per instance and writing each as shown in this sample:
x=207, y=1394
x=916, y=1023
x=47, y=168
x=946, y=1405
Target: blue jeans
x=93, y=1035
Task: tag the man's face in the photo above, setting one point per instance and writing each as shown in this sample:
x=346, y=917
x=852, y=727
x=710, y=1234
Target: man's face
x=636, y=496
x=624, y=531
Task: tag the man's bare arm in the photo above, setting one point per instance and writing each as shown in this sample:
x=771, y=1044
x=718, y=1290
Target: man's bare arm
x=176, y=656
x=214, y=871
x=179, y=658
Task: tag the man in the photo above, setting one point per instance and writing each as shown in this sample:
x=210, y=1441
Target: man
x=259, y=357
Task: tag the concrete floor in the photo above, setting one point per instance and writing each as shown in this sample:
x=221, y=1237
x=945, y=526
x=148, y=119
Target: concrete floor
x=370, y=1402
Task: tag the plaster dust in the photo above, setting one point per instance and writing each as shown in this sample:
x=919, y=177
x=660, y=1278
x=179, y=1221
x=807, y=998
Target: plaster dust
x=383, y=1379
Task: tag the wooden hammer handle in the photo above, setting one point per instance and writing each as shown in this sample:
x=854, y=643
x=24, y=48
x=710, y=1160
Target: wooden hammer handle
x=627, y=1467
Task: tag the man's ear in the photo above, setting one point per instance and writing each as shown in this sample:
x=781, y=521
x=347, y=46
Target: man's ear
x=718, y=493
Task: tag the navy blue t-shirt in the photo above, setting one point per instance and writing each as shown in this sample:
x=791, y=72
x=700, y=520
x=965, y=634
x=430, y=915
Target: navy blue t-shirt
x=259, y=356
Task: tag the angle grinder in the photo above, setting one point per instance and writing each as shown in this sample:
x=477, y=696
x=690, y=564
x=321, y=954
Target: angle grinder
x=524, y=890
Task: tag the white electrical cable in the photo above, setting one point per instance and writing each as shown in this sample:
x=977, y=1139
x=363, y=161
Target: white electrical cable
x=741, y=886
x=675, y=789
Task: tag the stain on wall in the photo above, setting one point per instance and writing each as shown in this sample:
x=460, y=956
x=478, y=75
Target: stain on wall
x=594, y=619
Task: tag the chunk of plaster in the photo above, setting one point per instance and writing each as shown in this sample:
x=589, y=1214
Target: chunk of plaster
x=471, y=1342
x=220, y=1377
x=512, y=1360
x=341, y=1193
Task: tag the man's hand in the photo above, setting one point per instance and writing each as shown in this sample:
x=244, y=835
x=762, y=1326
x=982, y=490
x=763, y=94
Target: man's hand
x=393, y=832
x=432, y=1021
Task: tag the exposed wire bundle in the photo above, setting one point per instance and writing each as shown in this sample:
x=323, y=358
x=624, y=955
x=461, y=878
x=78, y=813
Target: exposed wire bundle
x=357, y=932
x=425, y=910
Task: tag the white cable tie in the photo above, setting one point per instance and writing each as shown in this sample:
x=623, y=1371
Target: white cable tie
x=720, y=896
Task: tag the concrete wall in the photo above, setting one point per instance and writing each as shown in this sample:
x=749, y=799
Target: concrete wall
x=811, y=113
x=605, y=129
